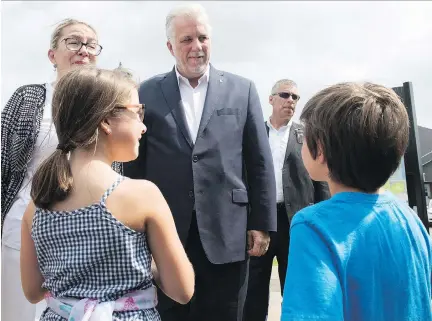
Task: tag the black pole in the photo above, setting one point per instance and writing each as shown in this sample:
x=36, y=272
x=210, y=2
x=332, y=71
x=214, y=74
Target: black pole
x=413, y=167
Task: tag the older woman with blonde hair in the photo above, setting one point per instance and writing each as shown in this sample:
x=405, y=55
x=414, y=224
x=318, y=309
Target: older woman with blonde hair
x=27, y=138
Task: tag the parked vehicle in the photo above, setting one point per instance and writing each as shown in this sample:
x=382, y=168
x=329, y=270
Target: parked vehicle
x=429, y=211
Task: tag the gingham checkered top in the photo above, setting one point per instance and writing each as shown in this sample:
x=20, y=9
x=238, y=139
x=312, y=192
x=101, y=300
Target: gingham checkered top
x=87, y=253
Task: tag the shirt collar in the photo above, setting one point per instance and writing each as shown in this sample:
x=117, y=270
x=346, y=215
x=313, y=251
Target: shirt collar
x=205, y=77
x=287, y=126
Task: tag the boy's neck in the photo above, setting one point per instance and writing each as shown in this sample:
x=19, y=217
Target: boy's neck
x=339, y=188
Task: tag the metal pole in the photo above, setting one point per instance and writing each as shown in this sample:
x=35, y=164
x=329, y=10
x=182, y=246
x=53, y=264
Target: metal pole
x=413, y=166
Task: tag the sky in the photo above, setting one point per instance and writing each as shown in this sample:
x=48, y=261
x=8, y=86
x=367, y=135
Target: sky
x=316, y=44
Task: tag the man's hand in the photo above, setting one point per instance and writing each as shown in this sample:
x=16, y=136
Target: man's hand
x=258, y=242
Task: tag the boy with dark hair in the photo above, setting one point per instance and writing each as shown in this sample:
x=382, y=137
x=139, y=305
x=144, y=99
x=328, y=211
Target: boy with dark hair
x=362, y=254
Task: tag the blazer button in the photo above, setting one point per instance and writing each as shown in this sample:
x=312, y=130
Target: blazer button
x=191, y=194
x=195, y=158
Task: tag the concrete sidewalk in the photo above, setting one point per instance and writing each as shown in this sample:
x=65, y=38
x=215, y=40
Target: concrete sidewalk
x=275, y=297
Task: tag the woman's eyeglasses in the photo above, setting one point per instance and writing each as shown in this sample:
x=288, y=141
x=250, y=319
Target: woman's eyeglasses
x=137, y=109
x=74, y=44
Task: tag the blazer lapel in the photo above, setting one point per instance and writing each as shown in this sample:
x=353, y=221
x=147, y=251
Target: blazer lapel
x=213, y=97
x=291, y=141
x=171, y=92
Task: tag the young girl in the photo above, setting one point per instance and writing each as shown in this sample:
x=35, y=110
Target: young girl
x=89, y=235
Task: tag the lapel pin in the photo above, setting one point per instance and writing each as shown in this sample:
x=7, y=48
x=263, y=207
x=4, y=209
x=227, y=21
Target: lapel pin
x=299, y=135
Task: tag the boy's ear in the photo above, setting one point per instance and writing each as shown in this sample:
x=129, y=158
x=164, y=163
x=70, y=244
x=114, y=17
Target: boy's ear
x=320, y=155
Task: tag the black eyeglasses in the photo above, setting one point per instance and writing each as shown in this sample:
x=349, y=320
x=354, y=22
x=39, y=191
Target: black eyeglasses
x=137, y=109
x=74, y=44
x=288, y=95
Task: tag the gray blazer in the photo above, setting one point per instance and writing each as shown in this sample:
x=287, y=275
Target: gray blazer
x=298, y=188
x=227, y=176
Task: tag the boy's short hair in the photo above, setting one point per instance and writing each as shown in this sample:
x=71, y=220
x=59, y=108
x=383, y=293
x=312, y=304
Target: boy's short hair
x=362, y=131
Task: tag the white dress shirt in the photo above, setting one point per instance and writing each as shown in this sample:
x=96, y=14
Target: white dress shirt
x=278, y=139
x=193, y=100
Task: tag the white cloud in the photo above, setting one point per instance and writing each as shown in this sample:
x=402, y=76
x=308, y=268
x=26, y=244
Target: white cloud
x=314, y=43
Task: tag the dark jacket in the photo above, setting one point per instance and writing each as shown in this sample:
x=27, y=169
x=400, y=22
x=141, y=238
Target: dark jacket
x=228, y=170
x=298, y=188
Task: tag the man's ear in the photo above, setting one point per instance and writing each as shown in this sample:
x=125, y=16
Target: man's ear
x=170, y=47
x=271, y=99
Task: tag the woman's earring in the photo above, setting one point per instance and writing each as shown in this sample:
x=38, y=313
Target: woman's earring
x=55, y=67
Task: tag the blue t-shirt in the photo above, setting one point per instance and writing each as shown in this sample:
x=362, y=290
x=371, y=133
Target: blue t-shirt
x=358, y=256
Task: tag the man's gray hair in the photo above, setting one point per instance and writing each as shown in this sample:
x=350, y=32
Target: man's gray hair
x=288, y=82
x=190, y=10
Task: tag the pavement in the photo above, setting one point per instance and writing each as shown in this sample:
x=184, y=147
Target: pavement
x=275, y=297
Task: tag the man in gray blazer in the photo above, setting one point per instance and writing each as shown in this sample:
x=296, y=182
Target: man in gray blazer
x=206, y=148
x=294, y=189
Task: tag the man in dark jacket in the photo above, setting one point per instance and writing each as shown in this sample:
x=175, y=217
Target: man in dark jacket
x=294, y=188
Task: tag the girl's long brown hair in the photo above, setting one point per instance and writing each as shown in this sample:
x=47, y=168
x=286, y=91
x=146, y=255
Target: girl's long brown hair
x=82, y=99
